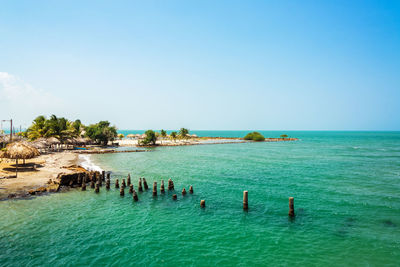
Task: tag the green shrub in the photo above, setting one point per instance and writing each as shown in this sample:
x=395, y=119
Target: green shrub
x=255, y=136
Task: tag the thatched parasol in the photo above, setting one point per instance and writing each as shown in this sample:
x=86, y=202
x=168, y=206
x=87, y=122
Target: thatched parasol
x=53, y=141
x=19, y=150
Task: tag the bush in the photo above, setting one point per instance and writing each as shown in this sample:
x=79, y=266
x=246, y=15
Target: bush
x=254, y=136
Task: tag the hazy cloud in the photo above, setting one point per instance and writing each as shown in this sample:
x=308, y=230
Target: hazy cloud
x=22, y=101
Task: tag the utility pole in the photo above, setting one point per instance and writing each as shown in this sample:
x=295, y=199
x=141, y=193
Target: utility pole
x=11, y=130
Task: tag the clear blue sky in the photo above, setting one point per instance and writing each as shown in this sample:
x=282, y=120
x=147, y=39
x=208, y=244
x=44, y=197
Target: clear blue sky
x=272, y=65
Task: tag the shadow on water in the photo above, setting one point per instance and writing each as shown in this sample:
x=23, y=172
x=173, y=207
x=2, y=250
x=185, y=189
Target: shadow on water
x=389, y=223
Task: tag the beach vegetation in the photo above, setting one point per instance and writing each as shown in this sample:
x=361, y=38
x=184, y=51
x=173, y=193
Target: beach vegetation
x=163, y=133
x=150, y=138
x=101, y=132
x=174, y=136
x=120, y=136
x=284, y=136
x=254, y=136
x=183, y=133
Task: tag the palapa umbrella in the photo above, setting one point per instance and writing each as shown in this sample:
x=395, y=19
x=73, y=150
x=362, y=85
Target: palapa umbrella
x=130, y=136
x=19, y=150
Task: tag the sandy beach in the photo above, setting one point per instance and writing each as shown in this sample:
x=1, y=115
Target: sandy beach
x=48, y=167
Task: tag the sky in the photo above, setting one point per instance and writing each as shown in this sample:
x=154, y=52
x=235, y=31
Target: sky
x=203, y=65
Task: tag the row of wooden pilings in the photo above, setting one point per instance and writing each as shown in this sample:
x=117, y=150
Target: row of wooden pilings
x=96, y=183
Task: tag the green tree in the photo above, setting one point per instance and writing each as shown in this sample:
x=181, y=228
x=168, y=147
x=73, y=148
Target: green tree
x=101, y=132
x=163, y=133
x=173, y=136
x=183, y=133
x=255, y=136
x=150, y=139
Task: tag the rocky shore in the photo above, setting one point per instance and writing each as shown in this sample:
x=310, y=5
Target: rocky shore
x=54, y=172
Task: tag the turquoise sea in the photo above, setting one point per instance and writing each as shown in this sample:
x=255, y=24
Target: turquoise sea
x=346, y=187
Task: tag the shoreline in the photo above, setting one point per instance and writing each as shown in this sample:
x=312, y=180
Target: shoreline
x=51, y=172
x=58, y=171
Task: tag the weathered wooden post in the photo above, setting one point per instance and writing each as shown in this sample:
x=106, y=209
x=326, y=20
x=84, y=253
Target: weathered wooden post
x=130, y=188
x=162, y=188
x=121, y=191
x=92, y=183
x=108, y=184
x=191, y=189
x=123, y=183
x=134, y=195
x=291, y=207
x=108, y=175
x=116, y=183
x=103, y=175
x=202, y=203
x=183, y=191
x=145, y=184
x=84, y=184
x=128, y=180
x=79, y=178
x=170, y=184
x=155, y=189
x=97, y=188
x=100, y=181
x=245, y=200
x=140, y=185
x=174, y=197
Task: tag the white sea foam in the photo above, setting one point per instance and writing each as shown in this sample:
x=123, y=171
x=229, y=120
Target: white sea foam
x=87, y=163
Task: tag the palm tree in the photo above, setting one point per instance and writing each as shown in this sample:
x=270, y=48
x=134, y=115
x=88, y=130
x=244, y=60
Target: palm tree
x=173, y=136
x=183, y=133
x=163, y=134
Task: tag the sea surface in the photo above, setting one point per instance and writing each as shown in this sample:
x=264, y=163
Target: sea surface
x=346, y=189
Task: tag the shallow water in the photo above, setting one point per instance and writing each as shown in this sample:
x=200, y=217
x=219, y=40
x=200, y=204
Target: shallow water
x=346, y=187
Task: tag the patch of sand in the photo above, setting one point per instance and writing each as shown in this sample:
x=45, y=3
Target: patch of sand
x=48, y=167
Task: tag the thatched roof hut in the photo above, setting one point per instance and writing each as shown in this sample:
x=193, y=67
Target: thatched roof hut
x=53, y=141
x=131, y=136
x=19, y=150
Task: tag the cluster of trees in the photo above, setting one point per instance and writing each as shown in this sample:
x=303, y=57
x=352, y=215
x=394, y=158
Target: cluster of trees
x=255, y=136
x=63, y=129
x=151, y=136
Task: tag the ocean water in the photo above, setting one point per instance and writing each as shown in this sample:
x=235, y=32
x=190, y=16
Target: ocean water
x=346, y=187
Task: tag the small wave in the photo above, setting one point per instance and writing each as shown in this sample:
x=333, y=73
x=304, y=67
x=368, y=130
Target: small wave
x=87, y=163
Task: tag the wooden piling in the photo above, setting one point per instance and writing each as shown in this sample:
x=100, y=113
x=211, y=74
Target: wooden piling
x=116, y=183
x=174, y=197
x=84, y=185
x=183, y=191
x=291, y=207
x=108, y=182
x=202, y=203
x=97, y=188
x=108, y=175
x=128, y=180
x=103, y=175
x=134, y=195
x=162, y=188
x=155, y=189
x=121, y=191
x=191, y=189
x=123, y=183
x=100, y=181
x=79, y=179
x=140, y=185
x=92, y=183
x=170, y=184
x=145, y=184
x=130, y=188
x=245, y=200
